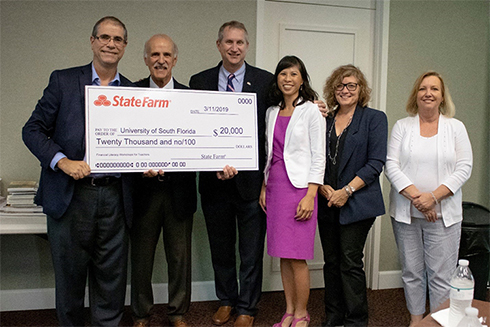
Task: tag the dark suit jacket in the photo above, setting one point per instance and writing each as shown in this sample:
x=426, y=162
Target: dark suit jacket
x=57, y=124
x=364, y=155
x=182, y=184
x=256, y=81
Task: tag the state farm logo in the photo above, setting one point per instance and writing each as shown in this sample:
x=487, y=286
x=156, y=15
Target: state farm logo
x=122, y=101
x=102, y=101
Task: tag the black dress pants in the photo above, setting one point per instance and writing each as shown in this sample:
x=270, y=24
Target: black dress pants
x=223, y=214
x=154, y=214
x=90, y=239
x=345, y=280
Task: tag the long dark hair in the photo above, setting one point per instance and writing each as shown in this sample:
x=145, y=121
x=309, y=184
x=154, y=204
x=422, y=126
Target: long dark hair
x=306, y=93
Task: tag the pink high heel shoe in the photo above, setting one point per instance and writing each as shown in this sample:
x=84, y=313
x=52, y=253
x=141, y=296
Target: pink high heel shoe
x=297, y=320
x=286, y=315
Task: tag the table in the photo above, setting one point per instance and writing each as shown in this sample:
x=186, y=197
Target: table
x=482, y=306
x=33, y=224
x=22, y=221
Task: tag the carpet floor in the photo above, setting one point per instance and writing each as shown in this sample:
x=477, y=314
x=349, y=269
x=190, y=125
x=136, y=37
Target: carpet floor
x=386, y=308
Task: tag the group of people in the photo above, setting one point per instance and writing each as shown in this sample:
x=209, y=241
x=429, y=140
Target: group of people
x=316, y=165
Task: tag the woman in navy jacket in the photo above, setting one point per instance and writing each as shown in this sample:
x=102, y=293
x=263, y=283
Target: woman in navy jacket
x=351, y=195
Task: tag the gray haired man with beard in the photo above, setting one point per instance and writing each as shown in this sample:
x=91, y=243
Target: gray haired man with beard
x=164, y=202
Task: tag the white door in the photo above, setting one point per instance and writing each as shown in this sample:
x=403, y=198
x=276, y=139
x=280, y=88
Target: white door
x=324, y=34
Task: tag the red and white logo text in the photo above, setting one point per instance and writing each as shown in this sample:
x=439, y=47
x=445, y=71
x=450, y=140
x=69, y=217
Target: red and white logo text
x=121, y=101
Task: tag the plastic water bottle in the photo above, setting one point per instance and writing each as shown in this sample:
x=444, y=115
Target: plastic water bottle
x=461, y=293
x=471, y=318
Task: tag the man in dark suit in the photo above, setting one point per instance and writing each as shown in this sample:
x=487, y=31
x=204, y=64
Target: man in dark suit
x=164, y=202
x=234, y=202
x=88, y=215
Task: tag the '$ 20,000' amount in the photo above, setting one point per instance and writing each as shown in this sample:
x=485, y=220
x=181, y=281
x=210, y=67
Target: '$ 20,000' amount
x=228, y=131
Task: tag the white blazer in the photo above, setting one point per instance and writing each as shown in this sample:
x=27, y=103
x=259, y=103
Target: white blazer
x=304, y=144
x=454, y=164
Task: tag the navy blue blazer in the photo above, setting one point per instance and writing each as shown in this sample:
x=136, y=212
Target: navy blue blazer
x=256, y=81
x=364, y=155
x=57, y=124
x=182, y=184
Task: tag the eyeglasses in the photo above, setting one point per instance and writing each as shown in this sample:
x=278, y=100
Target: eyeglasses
x=349, y=86
x=105, y=39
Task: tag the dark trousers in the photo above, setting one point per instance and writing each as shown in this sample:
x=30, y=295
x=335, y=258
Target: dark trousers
x=343, y=273
x=223, y=214
x=154, y=214
x=90, y=239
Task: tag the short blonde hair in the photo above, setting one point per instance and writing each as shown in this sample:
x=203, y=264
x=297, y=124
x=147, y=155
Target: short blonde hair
x=337, y=77
x=446, y=107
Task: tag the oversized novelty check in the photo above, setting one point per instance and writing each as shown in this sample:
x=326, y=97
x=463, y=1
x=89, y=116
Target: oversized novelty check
x=136, y=129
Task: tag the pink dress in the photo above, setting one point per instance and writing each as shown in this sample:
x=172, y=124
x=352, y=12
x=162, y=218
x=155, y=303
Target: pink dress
x=286, y=237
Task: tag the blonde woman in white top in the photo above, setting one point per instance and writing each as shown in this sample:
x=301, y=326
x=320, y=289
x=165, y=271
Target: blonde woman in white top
x=429, y=159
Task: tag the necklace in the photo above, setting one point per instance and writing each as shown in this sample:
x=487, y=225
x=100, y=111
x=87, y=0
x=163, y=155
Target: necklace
x=334, y=158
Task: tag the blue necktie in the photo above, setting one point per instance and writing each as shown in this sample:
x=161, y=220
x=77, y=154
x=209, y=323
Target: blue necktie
x=229, y=86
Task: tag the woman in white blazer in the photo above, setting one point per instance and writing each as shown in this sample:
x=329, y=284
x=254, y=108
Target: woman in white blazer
x=295, y=165
x=429, y=159
x=302, y=153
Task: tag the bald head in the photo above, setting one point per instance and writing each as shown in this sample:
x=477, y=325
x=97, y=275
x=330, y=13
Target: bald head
x=157, y=37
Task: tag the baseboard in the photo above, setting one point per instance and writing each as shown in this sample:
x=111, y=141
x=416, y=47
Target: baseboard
x=44, y=298
x=28, y=299
x=390, y=279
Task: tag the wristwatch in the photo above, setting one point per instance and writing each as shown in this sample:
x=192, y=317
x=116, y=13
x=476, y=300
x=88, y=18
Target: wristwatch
x=348, y=190
x=351, y=188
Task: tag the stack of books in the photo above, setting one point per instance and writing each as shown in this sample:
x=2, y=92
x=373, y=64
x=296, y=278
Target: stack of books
x=21, y=195
x=18, y=212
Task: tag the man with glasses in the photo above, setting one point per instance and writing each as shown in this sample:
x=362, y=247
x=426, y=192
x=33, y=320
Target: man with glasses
x=88, y=215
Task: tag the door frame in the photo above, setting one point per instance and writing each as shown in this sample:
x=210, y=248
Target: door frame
x=379, y=96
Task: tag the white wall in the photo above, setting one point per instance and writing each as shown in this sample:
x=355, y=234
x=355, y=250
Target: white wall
x=38, y=37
